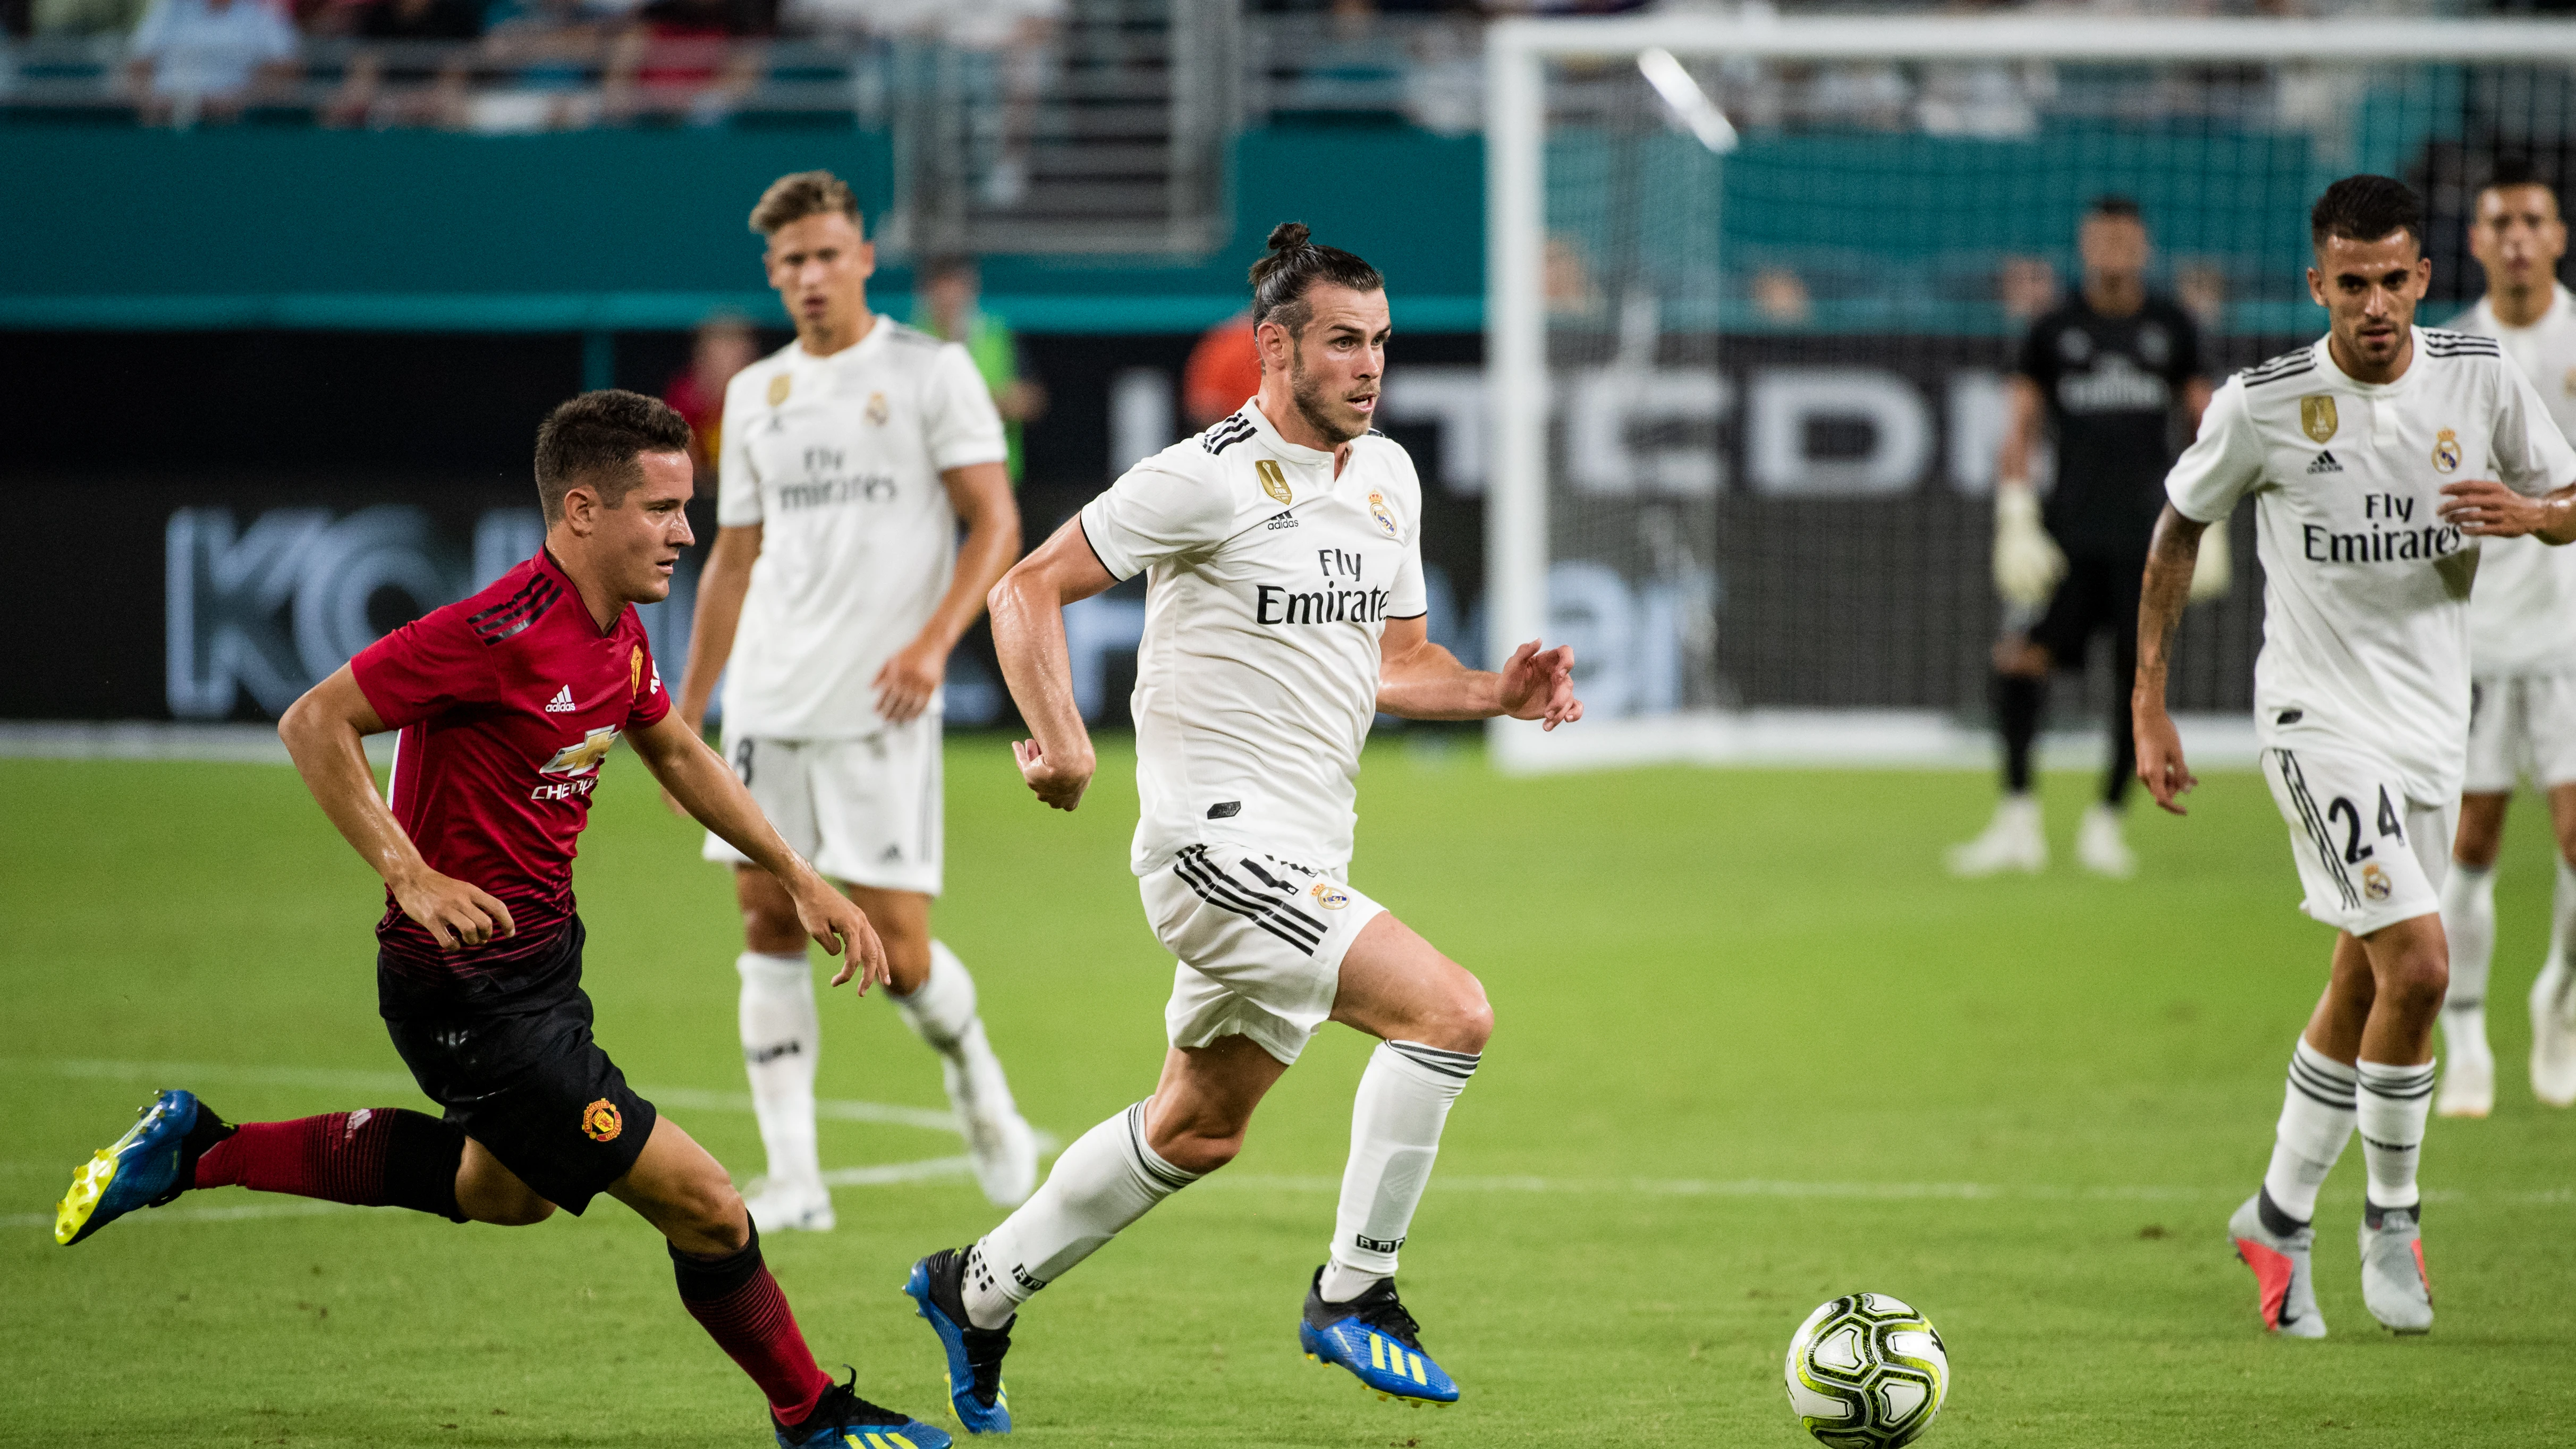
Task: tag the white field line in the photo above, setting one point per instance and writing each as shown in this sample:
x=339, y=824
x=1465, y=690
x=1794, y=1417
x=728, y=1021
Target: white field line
x=931, y=1119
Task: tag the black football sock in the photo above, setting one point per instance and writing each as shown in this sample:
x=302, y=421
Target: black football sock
x=2018, y=699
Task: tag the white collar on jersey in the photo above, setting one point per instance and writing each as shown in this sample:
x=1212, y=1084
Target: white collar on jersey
x=1297, y=453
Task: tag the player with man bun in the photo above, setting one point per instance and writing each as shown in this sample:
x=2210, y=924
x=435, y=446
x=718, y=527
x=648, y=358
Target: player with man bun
x=1286, y=609
x=2378, y=458
x=2522, y=647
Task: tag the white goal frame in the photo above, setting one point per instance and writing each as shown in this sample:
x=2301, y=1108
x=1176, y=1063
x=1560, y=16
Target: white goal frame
x=1516, y=521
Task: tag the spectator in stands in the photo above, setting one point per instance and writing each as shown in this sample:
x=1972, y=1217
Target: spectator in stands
x=86, y=17
x=407, y=81
x=692, y=60
x=1008, y=47
x=194, y=60
x=1224, y=370
x=947, y=305
x=548, y=49
x=1780, y=295
x=725, y=345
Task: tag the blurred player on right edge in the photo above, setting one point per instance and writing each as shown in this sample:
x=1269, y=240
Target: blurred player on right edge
x=2522, y=659
x=2379, y=458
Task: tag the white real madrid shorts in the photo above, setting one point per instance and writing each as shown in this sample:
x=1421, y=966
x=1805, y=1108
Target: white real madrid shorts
x=1260, y=942
x=2521, y=724
x=865, y=811
x=2368, y=856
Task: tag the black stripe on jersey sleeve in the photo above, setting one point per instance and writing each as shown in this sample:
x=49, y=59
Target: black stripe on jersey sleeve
x=526, y=591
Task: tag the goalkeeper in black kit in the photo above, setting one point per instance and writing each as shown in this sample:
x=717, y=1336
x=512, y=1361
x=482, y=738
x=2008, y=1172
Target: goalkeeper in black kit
x=2115, y=374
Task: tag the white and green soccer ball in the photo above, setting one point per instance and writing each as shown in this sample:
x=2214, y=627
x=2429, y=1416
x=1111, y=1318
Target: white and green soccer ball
x=1867, y=1372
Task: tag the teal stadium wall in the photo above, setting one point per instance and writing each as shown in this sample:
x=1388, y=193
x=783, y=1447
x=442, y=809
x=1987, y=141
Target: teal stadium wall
x=132, y=229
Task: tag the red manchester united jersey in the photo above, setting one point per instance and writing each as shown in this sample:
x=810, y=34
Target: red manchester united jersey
x=508, y=703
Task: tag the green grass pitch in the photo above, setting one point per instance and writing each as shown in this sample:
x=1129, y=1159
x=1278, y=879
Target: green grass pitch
x=1754, y=1051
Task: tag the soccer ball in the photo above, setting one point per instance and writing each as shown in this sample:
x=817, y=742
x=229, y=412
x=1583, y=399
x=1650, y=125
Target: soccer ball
x=1867, y=1372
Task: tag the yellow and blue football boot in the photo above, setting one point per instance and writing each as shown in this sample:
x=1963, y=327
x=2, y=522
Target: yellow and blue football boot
x=843, y=1420
x=152, y=1163
x=975, y=1390
x=1375, y=1339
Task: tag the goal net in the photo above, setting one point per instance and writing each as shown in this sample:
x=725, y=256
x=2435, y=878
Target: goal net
x=1756, y=287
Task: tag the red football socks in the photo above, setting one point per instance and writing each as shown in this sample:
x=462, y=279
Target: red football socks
x=740, y=1306
x=373, y=1157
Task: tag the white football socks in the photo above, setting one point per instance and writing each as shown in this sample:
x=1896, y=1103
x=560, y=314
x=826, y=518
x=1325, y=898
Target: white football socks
x=1403, y=1101
x=2469, y=920
x=781, y=1034
x=942, y=1013
x=1107, y=1179
x=2317, y=1113
x=2393, y=1103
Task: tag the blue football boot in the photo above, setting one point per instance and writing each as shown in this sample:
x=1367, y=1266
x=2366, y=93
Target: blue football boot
x=843, y=1420
x=975, y=1389
x=1375, y=1339
x=154, y=1162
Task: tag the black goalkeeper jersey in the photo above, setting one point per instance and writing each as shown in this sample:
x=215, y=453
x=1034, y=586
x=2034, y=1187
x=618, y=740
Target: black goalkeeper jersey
x=2112, y=385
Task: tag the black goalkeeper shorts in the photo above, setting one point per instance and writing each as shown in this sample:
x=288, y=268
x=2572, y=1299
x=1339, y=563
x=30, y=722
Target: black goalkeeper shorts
x=535, y=1090
x=2097, y=594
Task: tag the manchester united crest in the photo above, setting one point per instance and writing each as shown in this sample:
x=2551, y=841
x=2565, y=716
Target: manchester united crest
x=779, y=387
x=635, y=669
x=2317, y=415
x=600, y=1121
x=1273, y=482
x=2446, y=450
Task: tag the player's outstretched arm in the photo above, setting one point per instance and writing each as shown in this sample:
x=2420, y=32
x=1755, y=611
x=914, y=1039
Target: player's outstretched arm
x=1417, y=679
x=696, y=777
x=324, y=731
x=2489, y=509
x=981, y=495
x=2171, y=558
x=1028, y=638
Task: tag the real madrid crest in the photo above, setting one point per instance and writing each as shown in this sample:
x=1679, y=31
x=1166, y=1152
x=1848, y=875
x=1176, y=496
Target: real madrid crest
x=2446, y=450
x=2567, y=384
x=779, y=387
x=877, y=409
x=1382, y=515
x=1273, y=481
x=2317, y=415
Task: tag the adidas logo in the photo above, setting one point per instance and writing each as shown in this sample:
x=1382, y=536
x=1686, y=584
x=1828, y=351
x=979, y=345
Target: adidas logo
x=2325, y=463
x=562, y=702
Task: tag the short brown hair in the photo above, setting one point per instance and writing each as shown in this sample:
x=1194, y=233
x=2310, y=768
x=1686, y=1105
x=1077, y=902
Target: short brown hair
x=594, y=439
x=798, y=195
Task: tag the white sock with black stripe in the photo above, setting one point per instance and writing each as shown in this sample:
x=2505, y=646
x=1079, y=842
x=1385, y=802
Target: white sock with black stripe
x=1403, y=1102
x=1107, y=1179
x=2316, y=1122
x=781, y=1036
x=2392, y=1103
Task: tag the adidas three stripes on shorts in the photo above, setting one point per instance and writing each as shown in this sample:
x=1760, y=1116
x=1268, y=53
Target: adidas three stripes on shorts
x=1260, y=942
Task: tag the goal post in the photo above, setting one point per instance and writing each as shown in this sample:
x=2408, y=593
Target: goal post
x=1744, y=395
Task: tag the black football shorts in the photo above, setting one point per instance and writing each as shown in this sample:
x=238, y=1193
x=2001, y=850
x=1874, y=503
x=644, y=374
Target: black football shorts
x=535, y=1090
x=2099, y=594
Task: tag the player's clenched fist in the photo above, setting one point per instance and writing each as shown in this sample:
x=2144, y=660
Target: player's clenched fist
x=1058, y=782
x=454, y=913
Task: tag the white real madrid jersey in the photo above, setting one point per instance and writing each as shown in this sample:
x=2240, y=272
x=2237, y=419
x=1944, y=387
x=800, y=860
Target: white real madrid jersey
x=2522, y=619
x=2365, y=588
x=838, y=459
x=1269, y=583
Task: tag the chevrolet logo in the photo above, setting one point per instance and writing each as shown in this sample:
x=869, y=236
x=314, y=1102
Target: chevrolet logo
x=583, y=758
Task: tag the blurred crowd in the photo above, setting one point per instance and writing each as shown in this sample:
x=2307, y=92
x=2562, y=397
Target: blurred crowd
x=495, y=65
